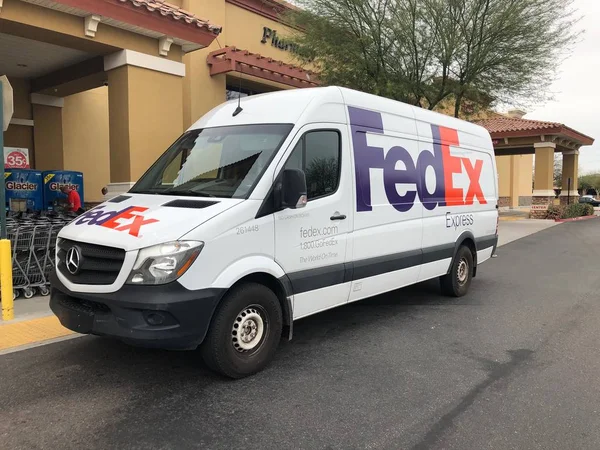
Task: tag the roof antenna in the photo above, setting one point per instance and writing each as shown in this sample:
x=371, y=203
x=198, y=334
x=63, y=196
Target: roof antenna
x=239, y=108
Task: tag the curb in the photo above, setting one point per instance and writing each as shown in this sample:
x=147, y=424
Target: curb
x=35, y=344
x=574, y=219
x=23, y=334
x=511, y=218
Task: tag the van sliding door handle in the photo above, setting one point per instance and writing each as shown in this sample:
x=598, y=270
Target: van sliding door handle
x=338, y=217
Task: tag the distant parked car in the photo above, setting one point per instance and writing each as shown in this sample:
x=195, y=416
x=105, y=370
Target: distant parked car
x=589, y=199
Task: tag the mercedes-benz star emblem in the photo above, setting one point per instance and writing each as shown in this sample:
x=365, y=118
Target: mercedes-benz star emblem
x=73, y=260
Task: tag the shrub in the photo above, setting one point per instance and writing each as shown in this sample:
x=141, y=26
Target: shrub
x=577, y=210
x=588, y=210
x=573, y=210
x=569, y=211
x=555, y=212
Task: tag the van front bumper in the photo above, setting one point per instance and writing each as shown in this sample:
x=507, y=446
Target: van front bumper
x=164, y=316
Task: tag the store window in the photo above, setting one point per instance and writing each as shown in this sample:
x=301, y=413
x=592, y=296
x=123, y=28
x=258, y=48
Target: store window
x=233, y=92
x=318, y=155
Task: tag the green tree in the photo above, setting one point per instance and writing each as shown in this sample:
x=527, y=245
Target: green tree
x=558, y=170
x=425, y=52
x=589, y=182
x=322, y=175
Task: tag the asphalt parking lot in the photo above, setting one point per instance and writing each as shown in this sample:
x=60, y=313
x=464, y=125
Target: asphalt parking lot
x=513, y=365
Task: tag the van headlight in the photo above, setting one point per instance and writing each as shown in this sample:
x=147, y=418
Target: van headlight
x=163, y=263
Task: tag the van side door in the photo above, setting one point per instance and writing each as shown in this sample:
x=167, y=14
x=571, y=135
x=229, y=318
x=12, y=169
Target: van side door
x=311, y=243
x=386, y=241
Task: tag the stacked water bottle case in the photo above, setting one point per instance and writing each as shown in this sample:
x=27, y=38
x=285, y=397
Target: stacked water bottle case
x=33, y=190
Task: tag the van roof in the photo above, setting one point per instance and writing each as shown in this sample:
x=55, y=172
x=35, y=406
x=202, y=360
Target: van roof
x=321, y=104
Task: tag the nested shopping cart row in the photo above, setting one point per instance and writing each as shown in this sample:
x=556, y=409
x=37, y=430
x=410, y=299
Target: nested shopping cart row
x=33, y=244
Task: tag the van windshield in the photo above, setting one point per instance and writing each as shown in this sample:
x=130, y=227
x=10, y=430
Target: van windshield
x=214, y=162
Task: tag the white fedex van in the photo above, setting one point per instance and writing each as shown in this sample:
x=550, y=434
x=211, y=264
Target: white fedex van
x=302, y=201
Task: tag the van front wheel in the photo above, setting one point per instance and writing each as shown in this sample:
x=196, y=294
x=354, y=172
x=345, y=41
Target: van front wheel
x=245, y=332
x=456, y=283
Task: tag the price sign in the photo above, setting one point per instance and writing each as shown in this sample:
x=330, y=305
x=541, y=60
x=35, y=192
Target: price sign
x=16, y=158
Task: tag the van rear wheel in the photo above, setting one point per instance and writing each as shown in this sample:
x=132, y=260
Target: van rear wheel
x=245, y=332
x=456, y=283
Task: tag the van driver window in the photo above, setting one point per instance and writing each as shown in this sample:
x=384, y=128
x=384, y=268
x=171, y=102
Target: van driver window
x=317, y=153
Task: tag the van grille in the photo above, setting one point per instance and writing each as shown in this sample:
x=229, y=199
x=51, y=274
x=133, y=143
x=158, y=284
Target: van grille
x=98, y=264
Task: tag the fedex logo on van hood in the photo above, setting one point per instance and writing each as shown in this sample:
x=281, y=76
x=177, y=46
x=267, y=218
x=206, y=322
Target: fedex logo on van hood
x=128, y=219
x=439, y=159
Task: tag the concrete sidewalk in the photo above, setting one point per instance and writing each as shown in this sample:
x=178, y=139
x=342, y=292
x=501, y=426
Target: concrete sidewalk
x=32, y=308
x=513, y=214
x=509, y=231
x=35, y=324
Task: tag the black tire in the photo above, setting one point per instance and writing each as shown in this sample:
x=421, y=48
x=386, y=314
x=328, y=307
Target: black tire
x=456, y=283
x=225, y=349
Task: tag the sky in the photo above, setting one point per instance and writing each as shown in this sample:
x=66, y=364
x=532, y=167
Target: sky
x=576, y=90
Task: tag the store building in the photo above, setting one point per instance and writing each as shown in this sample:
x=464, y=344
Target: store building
x=105, y=86
x=525, y=152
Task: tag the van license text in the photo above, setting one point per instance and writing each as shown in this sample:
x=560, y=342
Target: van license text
x=248, y=229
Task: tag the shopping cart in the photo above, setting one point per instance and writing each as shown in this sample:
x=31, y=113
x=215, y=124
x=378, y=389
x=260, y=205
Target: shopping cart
x=37, y=254
x=33, y=243
x=20, y=239
x=49, y=256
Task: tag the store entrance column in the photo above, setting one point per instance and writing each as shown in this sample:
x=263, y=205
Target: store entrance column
x=145, y=113
x=543, y=192
x=570, y=170
x=48, y=131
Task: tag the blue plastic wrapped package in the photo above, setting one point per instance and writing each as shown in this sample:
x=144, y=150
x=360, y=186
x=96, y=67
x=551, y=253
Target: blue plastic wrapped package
x=54, y=180
x=24, y=190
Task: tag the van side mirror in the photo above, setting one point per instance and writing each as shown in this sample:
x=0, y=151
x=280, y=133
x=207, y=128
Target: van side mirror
x=293, y=187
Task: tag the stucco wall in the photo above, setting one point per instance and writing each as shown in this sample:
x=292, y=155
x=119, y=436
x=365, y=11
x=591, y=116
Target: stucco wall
x=503, y=167
x=525, y=175
x=155, y=108
x=20, y=135
x=86, y=139
x=48, y=135
x=242, y=29
x=145, y=118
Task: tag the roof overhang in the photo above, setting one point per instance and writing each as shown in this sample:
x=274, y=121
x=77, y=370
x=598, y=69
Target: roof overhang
x=518, y=135
x=271, y=9
x=152, y=18
x=559, y=131
x=231, y=59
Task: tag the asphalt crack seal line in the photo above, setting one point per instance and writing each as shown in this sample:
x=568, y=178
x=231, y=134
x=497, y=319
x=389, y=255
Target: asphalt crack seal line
x=29, y=333
x=497, y=372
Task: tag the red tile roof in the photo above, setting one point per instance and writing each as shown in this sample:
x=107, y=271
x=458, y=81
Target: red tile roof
x=271, y=9
x=231, y=59
x=157, y=16
x=169, y=10
x=515, y=127
x=502, y=124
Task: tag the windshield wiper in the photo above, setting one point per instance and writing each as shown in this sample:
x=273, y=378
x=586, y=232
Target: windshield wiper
x=188, y=192
x=146, y=191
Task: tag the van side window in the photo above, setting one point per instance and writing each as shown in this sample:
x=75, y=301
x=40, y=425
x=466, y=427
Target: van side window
x=318, y=153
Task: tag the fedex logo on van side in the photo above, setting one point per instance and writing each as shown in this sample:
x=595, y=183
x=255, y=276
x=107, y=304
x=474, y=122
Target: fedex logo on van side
x=444, y=165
